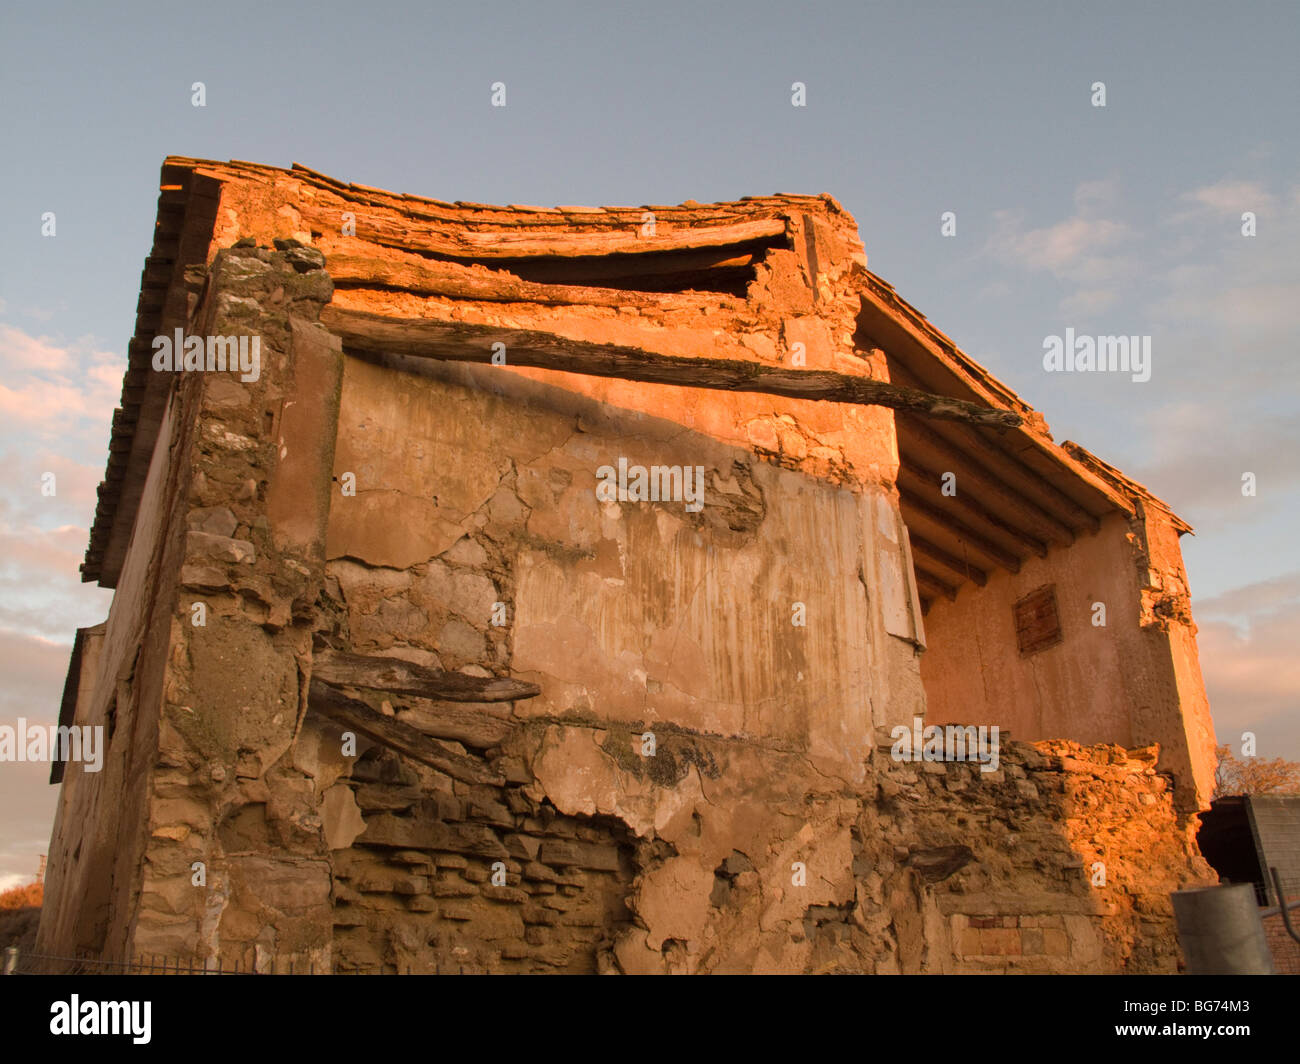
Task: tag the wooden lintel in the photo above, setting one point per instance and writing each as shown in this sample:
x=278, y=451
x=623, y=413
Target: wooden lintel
x=404, y=677
x=352, y=713
x=457, y=341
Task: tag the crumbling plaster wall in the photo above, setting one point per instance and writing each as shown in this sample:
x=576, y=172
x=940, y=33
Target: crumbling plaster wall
x=703, y=837
x=633, y=617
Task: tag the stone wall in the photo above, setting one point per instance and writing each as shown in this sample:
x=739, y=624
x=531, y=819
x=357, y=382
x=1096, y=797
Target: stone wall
x=452, y=878
x=1074, y=852
x=235, y=864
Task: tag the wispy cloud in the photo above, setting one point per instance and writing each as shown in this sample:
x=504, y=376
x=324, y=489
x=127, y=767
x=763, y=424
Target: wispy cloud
x=49, y=389
x=1082, y=250
x=1066, y=249
x=1247, y=639
x=1227, y=197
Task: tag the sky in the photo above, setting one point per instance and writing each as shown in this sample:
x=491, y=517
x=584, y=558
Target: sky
x=1122, y=219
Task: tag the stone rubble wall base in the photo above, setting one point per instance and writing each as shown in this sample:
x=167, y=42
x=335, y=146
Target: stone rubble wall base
x=593, y=857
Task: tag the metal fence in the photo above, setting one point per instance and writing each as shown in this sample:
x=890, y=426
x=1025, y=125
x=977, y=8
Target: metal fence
x=1285, y=949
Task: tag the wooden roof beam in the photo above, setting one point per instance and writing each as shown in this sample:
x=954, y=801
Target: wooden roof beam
x=919, y=446
x=609, y=236
x=927, y=581
x=947, y=532
x=1015, y=474
x=925, y=484
x=936, y=556
x=935, y=363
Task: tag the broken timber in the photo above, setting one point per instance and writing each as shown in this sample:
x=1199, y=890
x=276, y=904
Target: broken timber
x=352, y=713
x=456, y=341
x=406, y=678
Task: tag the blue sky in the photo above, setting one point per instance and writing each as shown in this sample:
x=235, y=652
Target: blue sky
x=1124, y=219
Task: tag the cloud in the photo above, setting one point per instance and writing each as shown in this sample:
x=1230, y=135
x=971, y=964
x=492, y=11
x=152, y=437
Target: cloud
x=50, y=391
x=1066, y=249
x=19, y=350
x=56, y=405
x=1198, y=465
x=42, y=543
x=1083, y=251
x=1228, y=197
x=34, y=672
x=1247, y=638
x=1264, y=598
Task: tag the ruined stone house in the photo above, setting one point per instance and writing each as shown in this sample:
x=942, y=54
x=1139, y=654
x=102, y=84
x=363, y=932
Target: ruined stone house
x=391, y=684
